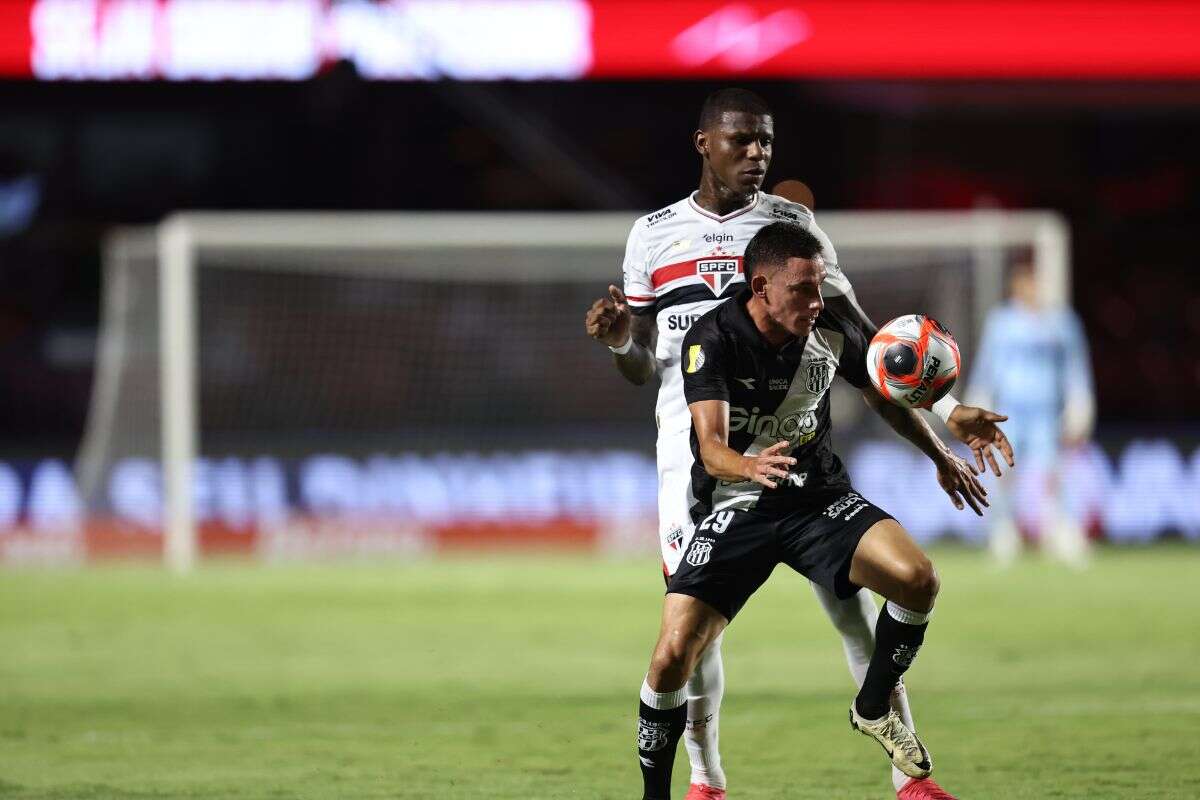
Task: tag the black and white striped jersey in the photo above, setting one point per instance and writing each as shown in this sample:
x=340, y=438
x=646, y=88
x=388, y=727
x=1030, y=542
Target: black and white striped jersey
x=773, y=394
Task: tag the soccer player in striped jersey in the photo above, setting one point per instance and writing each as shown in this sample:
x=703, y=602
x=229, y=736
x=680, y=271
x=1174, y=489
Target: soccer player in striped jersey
x=680, y=262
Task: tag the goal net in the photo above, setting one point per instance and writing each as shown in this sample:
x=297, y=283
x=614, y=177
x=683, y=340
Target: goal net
x=307, y=384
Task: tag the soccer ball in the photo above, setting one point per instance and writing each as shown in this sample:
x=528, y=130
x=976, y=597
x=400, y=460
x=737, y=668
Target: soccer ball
x=913, y=361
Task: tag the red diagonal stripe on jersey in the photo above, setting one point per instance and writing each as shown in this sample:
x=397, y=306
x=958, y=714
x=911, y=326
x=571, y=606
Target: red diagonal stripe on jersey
x=672, y=272
x=683, y=269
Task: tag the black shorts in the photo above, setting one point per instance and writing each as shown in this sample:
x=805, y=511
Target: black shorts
x=732, y=553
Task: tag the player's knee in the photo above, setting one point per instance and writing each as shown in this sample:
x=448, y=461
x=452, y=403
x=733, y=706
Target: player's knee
x=921, y=584
x=673, y=660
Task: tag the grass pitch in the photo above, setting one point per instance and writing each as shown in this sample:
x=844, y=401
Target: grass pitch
x=517, y=678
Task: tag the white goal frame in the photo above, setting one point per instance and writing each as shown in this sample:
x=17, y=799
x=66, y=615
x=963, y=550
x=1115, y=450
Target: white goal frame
x=182, y=236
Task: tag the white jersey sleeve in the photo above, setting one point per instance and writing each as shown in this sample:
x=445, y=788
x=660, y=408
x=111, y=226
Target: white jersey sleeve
x=638, y=288
x=836, y=283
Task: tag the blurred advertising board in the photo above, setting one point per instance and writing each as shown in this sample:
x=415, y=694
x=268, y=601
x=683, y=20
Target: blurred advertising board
x=581, y=39
x=1127, y=491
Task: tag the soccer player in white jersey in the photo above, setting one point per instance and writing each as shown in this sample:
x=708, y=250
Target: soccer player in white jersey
x=680, y=262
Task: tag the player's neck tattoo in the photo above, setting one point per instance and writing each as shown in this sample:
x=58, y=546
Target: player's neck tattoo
x=717, y=198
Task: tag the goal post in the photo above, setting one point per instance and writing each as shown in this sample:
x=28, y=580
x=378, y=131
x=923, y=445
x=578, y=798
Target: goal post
x=178, y=365
x=292, y=286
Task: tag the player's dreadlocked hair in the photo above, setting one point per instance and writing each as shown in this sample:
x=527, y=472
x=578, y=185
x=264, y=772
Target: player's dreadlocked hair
x=774, y=244
x=731, y=100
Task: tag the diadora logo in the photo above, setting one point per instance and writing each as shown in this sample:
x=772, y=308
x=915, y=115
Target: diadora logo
x=718, y=273
x=792, y=426
x=659, y=216
x=718, y=238
x=681, y=322
x=747, y=382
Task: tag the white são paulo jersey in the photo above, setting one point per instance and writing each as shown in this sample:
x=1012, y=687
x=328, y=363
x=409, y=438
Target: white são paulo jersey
x=681, y=261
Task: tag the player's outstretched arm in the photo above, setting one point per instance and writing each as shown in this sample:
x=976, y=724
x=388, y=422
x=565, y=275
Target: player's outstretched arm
x=955, y=475
x=629, y=337
x=711, y=420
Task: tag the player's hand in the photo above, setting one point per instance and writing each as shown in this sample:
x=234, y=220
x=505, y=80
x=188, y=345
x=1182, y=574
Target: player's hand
x=958, y=479
x=977, y=429
x=608, y=319
x=769, y=465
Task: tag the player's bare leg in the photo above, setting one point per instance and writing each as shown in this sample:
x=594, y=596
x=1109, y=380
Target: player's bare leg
x=689, y=626
x=889, y=562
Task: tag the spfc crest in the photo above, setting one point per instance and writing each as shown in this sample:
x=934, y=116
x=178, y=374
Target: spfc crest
x=674, y=537
x=718, y=273
x=820, y=375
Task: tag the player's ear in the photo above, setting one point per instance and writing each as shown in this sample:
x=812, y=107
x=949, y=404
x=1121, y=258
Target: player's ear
x=758, y=284
x=700, y=142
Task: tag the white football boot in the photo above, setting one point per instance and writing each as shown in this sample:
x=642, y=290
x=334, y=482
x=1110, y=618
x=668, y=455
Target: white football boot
x=902, y=745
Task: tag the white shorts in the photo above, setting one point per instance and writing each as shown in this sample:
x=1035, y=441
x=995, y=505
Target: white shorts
x=674, y=496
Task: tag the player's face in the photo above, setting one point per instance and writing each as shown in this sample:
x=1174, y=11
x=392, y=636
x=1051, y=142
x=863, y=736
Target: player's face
x=738, y=150
x=793, y=295
x=1024, y=286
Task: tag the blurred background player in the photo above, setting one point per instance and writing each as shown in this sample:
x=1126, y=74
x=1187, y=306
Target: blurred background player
x=1033, y=361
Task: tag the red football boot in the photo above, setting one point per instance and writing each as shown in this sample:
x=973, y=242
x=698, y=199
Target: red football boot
x=700, y=791
x=923, y=789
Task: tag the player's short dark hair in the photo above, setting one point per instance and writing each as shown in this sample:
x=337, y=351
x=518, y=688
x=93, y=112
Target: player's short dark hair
x=733, y=100
x=774, y=244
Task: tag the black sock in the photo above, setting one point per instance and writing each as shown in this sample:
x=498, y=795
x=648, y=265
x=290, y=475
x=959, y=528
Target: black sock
x=896, y=645
x=658, y=737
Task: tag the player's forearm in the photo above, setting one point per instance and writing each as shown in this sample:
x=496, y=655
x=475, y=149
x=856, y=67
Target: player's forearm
x=723, y=462
x=636, y=365
x=635, y=359
x=908, y=423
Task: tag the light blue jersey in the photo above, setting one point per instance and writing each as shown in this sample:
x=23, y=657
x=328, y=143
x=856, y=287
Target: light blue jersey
x=1030, y=365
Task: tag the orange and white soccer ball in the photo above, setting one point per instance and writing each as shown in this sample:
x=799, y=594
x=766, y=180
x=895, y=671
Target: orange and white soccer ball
x=913, y=361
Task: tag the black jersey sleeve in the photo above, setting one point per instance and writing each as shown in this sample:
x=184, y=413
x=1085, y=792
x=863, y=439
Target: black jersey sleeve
x=853, y=362
x=704, y=363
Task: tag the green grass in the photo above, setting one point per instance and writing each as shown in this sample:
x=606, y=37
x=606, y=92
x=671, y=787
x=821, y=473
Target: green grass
x=517, y=678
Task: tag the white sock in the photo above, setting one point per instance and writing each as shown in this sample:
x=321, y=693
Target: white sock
x=907, y=616
x=1004, y=541
x=900, y=706
x=855, y=621
x=1004, y=538
x=1063, y=535
x=705, y=690
x=663, y=701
